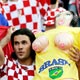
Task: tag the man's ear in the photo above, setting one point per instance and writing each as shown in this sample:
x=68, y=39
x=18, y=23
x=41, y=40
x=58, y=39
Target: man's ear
x=74, y=20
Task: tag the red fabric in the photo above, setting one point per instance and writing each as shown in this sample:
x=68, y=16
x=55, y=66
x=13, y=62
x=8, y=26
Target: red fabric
x=78, y=6
x=12, y=70
x=8, y=48
x=44, y=1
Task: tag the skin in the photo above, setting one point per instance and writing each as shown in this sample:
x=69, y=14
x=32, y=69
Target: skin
x=22, y=47
x=1, y=56
x=53, y=6
x=76, y=57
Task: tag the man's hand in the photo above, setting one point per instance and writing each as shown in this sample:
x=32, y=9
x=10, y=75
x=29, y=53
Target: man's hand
x=75, y=54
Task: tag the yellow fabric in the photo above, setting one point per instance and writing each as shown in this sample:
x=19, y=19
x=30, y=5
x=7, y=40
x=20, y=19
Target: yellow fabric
x=55, y=64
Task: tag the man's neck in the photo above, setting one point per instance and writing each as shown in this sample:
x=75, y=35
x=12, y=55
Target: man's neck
x=26, y=62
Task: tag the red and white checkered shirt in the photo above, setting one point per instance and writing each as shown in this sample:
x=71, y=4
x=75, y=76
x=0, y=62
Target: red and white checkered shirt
x=26, y=13
x=12, y=70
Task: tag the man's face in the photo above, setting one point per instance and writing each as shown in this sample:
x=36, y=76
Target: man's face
x=22, y=47
x=64, y=18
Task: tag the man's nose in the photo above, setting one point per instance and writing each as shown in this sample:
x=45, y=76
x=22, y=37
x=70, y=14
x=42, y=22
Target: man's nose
x=20, y=46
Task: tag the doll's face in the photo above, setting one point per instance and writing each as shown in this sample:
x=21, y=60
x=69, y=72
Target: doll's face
x=64, y=18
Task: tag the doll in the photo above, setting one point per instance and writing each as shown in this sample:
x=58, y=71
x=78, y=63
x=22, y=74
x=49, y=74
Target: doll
x=63, y=41
x=52, y=50
x=52, y=60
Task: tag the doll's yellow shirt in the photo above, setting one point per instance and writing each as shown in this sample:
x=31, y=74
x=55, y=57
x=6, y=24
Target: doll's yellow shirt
x=55, y=64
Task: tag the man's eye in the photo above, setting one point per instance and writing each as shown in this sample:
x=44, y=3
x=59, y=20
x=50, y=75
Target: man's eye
x=24, y=42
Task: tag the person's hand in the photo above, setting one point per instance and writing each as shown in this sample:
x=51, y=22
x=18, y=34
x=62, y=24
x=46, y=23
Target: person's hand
x=76, y=57
x=10, y=31
x=75, y=54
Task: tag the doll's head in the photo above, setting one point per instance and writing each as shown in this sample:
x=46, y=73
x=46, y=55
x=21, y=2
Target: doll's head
x=40, y=44
x=63, y=40
x=66, y=18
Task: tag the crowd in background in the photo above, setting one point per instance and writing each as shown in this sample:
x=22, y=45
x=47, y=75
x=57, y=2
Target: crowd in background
x=71, y=5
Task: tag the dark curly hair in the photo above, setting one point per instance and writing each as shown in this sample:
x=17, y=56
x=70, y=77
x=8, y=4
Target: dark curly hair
x=74, y=20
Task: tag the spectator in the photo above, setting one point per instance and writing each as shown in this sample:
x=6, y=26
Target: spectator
x=65, y=4
x=21, y=65
x=60, y=3
x=74, y=6
x=26, y=13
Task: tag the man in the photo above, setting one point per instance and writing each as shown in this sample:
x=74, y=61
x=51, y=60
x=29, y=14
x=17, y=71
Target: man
x=20, y=66
x=28, y=13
